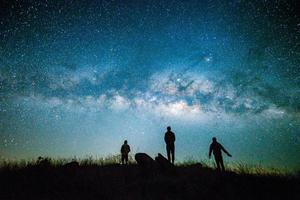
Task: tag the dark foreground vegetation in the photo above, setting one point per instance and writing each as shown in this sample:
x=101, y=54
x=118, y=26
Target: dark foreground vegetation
x=44, y=180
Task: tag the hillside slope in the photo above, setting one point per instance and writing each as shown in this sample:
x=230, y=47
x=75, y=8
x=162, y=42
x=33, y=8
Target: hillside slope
x=132, y=182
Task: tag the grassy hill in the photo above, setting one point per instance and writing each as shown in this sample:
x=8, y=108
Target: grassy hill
x=53, y=180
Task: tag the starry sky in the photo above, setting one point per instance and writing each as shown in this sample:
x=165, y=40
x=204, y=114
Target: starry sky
x=77, y=78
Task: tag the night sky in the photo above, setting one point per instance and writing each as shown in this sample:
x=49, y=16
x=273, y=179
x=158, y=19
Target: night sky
x=77, y=78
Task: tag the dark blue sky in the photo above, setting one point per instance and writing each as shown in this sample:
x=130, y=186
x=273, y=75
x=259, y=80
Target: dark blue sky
x=79, y=77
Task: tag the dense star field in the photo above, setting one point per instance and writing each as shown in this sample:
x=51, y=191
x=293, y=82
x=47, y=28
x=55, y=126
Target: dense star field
x=78, y=77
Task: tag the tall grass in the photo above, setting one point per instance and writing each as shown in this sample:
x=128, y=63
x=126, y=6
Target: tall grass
x=242, y=168
x=238, y=167
x=56, y=162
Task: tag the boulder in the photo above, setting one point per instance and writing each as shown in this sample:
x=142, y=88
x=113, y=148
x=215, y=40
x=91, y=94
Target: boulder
x=72, y=165
x=144, y=160
x=198, y=165
x=163, y=162
x=43, y=162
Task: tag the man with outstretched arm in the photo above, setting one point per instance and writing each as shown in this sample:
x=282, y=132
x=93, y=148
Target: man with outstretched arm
x=217, y=149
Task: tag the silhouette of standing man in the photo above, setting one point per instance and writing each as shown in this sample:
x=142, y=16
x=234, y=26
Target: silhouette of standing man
x=217, y=149
x=170, y=144
x=125, y=149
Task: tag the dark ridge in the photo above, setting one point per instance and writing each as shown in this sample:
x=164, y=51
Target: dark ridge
x=75, y=181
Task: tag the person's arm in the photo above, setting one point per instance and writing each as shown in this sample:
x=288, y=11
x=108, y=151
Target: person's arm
x=210, y=150
x=128, y=148
x=174, y=138
x=165, y=137
x=223, y=149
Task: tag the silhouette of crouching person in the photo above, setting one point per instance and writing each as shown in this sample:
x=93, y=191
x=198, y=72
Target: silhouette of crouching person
x=125, y=149
x=217, y=149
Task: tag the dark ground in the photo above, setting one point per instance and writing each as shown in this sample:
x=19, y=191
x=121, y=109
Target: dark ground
x=131, y=182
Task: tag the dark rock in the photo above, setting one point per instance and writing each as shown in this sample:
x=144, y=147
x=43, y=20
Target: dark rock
x=43, y=162
x=72, y=165
x=163, y=162
x=198, y=165
x=144, y=160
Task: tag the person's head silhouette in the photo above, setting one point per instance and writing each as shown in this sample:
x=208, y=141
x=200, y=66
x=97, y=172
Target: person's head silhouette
x=169, y=128
x=125, y=142
x=214, y=139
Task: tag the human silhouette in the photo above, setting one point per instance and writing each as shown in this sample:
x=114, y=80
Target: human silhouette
x=170, y=144
x=217, y=149
x=125, y=149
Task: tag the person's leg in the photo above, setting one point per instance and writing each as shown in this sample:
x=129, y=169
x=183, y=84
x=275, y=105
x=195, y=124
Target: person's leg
x=222, y=164
x=122, y=159
x=126, y=159
x=217, y=163
x=168, y=153
x=173, y=153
